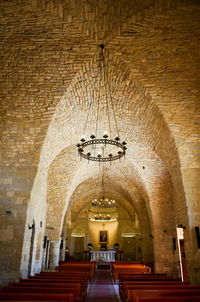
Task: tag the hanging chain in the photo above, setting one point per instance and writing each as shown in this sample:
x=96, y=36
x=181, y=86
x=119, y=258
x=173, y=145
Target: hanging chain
x=95, y=192
x=112, y=105
x=107, y=101
x=104, y=77
x=101, y=89
x=87, y=116
x=103, y=189
x=96, y=132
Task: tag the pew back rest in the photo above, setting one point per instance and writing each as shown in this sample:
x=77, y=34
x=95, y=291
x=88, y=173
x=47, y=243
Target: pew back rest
x=167, y=299
x=17, y=289
x=36, y=297
x=132, y=294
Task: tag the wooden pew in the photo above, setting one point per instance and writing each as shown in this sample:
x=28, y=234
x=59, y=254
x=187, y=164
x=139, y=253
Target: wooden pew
x=148, y=276
x=129, y=287
x=133, y=294
x=77, y=267
x=143, y=277
x=36, y=297
x=64, y=273
x=45, y=284
x=123, y=277
x=43, y=290
x=134, y=268
x=84, y=276
x=57, y=286
x=67, y=279
x=150, y=281
x=62, y=281
x=169, y=299
x=73, y=280
x=27, y=300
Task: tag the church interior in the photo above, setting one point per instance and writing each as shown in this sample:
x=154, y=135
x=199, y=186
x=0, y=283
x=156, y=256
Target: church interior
x=122, y=77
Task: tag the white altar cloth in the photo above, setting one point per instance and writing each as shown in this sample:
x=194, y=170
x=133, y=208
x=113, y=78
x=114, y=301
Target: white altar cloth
x=108, y=255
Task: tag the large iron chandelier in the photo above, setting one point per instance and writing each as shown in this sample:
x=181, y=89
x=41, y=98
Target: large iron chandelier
x=102, y=149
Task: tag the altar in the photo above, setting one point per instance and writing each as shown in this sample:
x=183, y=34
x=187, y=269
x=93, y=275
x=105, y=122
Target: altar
x=107, y=255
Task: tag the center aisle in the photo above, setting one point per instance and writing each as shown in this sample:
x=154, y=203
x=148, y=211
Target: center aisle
x=101, y=288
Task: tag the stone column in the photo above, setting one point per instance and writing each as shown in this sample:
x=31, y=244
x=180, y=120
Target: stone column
x=191, y=183
x=16, y=183
x=54, y=254
x=163, y=253
x=162, y=237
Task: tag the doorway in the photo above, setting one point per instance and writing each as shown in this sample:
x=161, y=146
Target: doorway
x=78, y=248
x=129, y=248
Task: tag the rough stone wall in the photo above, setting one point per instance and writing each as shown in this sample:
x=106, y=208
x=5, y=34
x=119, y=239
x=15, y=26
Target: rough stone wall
x=16, y=183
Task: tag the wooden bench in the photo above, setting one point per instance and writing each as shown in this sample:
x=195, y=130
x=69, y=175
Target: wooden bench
x=81, y=266
x=123, y=277
x=129, y=287
x=66, y=276
x=36, y=297
x=132, y=294
x=128, y=268
x=42, y=290
x=84, y=276
x=45, y=284
x=168, y=299
x=27, y=300
x=64, y=273
x=63, y=282
x=66, y=279
x=132, y=277
x=152, y=276
x=140, y=281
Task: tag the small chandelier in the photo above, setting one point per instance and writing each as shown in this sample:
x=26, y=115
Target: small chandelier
x=103, y=202
x=102, y=149
x=102, y=217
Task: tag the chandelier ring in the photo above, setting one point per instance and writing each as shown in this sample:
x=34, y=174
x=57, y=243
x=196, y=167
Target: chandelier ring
x=100, y=158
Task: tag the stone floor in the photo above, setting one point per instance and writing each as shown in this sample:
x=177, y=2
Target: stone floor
x=102, y=287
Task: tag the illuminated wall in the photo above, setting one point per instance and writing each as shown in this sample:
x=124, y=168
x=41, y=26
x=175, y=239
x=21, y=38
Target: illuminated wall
x=95, y=227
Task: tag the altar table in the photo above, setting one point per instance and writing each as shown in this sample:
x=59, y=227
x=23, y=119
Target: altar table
x=107, y=255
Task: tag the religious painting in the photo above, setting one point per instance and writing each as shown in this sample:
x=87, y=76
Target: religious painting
x=103, y=236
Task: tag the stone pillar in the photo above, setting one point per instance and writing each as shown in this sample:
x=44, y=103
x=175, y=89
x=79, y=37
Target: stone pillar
x=62, y=251
x=163, y=252
x=48, y=254
x=191, y=183
x=16, y=183
x=45, y=255
x=54, y=254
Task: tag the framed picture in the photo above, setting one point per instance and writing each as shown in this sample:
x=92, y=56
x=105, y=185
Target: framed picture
x=103, y=236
